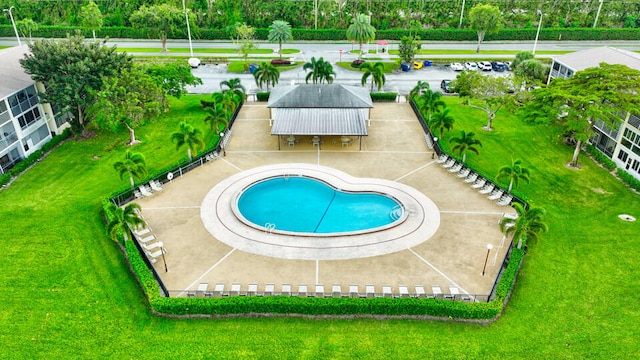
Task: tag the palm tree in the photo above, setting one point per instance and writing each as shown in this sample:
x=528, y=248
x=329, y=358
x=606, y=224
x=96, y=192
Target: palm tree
x=235, y=86
x=217, y=117
x=376, y=71
x=442, y=121
x=280, y=31
x=361, y=31
x=418, y=90
x=189, y=136
x=133, y=166
x=320, y=71
x=230, y=101
x=431, y=103
x=528, y=226
x=514, y=173
x=266, y=74
x=464, y=143
x=121, y=220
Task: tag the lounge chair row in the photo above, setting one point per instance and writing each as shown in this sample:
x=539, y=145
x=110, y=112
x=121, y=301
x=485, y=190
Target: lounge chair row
x=486, y=187
x=335, y=291
x=147, y=190
x=149, y=242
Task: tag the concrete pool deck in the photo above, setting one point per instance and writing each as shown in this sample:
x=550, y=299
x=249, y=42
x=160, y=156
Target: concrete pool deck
x=394, y=150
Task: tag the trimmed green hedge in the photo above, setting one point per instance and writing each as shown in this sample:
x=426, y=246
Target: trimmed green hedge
x=600, y=157
x=263, y=96
x=629, y=179
x=384, y=96
x=447, y=34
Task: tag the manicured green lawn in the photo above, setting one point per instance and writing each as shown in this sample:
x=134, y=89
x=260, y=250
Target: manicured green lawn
x=67, y=292
x=388, y=66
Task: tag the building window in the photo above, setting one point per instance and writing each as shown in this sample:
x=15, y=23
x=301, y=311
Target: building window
x=36, y=136
x=23, y=100
x=623, y=156
x=29, y=118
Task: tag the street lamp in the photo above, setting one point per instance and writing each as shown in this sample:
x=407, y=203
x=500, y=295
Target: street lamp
x=224, y=153
x=194, y=62
x=489, y=247
x=535, y=43
x=595, y=22
x=435, y=141
x=14, y=24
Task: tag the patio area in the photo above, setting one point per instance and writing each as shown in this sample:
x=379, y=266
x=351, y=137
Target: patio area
x=453, y=257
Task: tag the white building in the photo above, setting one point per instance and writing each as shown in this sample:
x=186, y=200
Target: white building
x=25, y=123
x=622, y=141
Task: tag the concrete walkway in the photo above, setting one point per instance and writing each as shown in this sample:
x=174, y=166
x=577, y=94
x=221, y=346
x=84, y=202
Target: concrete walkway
x=394, y=150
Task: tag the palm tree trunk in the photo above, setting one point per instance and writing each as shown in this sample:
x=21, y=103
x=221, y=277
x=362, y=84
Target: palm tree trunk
x=189, y=153
x=510, y=186
x=464, y=157
x=132, y=135
x=280, y=59
x=133, y=184
x=576, y=154
x=163, y=40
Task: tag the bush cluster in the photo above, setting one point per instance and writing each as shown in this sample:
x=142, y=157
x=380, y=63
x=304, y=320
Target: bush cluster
x=383, y=96
x=629, y=179
x=601, y=158
x=277, y=62
x=263, y=95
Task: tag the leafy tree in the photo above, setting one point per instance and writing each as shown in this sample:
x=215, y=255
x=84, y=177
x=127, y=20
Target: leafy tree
x=528, y=226
x=243, y=36
x=172, y=76
x=485, y=19
x=361, y=31
x=418, y=90
x=442, y=121
x=280, y=31
x=230, y=101
x=121, y=220
x=531, y=71
x=594, y=94
x=466, y=142
x=431, y=103
x=27, y=26
x=188, y=136
x=234, y=85
x=127, y=100
x=520, y=57
x=376, y=71
x=408, y=48
x=492, y=92
x=133, y=166
x=266, y=74
x=514, y=173
x=92, y=18
x=73, y=72
x=463, y=83
x=160, y=20
x=217, y=118
x=320, y=71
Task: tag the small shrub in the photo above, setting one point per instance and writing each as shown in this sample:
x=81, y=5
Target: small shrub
x=383, y=96
x=205, y=104
x=5, y=178
x=277, y=62
x=357, y=63
x=601, y=157
x=629, y=179
x=263, y=95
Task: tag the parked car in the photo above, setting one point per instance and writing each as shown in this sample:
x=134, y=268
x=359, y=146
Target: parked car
x=484, y=66
x=507, y=65
x=498, y=66
x=445, y=85
x=418, y=65
x=470, y=65
x=456, y=67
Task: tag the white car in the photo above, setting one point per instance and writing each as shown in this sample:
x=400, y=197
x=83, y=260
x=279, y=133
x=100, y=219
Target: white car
x=471, y=66
x=484, y=66
x=456, y=67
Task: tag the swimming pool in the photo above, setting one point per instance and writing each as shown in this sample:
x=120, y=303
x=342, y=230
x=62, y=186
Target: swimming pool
x=307, y=205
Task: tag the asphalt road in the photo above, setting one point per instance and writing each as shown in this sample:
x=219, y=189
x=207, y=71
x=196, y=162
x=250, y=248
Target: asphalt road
x=403, y=82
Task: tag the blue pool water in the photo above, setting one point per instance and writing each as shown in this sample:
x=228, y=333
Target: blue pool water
x=300, y=204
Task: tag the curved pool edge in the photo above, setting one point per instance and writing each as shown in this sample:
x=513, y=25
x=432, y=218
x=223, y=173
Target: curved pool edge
x=220, y=221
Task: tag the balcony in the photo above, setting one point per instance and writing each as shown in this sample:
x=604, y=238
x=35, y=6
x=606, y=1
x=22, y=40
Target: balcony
x=7, y=139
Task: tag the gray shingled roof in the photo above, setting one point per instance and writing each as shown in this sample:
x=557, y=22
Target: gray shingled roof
x=319, y=96
x=589, y=58
x=303, y=121
x=12, y=75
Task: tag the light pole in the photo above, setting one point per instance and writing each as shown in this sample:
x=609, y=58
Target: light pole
x=435, y=141
x=224, y=153
x=535, y=43
x=461, y=13
x=14, y=24
x=595, y=22
x=194, y=62
x=489, y=247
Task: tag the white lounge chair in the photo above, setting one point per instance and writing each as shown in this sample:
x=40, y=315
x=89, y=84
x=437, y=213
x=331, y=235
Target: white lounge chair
x=403, y=291
x=456, y=168
x=386, y=291
x=147, y=239
x=145, y=190
x=139, y=232
x=155, y=186
x=319, y=291
x=153, y=246
x=156, y=254
x=370, y=290
x=303, y=291
x=137, y=194
x=487, y=189
x=495, y=195
x=235, y=289
x=449, y=163
x=505, y=200
x=463, y=173
x=419, y=291
x=286, y=289
x=512, y=216
x=471, y=178
x=218, y=290
x=336, y=290
x=252, y=290
x=437, y=292
x=479, y=183
x=354, y=291
x=442, y=158
x=269, y=289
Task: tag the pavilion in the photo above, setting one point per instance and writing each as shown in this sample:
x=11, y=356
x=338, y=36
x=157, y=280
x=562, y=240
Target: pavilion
x=319, y=110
